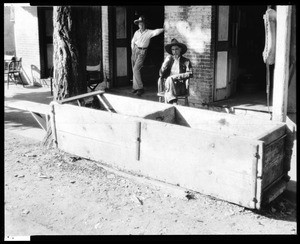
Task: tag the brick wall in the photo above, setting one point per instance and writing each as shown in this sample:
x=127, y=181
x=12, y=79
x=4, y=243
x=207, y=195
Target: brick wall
x=27, y=39
x=194, y=26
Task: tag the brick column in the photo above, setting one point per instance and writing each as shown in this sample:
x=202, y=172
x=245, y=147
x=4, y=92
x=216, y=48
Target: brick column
x=194, y=26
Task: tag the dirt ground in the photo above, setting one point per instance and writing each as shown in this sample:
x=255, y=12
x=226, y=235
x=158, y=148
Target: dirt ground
x=49, y=192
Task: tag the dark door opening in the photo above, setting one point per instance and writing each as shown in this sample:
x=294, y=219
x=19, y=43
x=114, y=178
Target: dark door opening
x=155, y=53
x=45, y=15
x=251, y=41
x=250, y=83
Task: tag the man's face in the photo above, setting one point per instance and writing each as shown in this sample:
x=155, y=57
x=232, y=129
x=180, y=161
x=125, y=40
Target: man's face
x=176, y=51
x=142, y=25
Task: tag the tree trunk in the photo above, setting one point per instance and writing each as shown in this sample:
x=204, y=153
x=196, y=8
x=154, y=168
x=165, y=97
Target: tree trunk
x=70, y=48
x=69, y=58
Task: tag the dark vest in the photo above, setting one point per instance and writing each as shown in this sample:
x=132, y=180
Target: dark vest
x=164, y=73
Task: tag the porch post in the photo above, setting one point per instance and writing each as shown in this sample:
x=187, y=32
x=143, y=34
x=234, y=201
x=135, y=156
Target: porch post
x=281, y=71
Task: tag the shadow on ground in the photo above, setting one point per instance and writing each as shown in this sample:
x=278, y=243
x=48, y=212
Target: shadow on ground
x=19, y=119
x=282, y=208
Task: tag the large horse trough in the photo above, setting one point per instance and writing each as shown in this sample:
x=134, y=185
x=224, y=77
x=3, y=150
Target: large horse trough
x=230, y=157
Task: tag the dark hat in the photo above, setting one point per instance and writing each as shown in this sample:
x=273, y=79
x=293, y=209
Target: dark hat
x=140, y=19
x=174, y=42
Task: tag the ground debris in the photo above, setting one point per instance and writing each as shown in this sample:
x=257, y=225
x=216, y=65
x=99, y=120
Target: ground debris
x=111, y=176
x=190, y=195
x=19, y=176
x=25, y=211
x=74, y=159
x=137, y=200
x=42, y=176
x=29, y=155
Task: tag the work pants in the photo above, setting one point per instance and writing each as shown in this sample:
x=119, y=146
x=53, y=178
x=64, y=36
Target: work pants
x=137, y=60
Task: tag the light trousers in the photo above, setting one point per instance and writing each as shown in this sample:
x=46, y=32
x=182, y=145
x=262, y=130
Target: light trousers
x=137, y=60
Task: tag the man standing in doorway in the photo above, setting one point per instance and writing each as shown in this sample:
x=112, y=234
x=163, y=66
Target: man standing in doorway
x=139, y=45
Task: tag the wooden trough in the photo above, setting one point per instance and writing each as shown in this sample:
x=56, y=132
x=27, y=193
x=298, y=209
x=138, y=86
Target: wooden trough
x=232, y=158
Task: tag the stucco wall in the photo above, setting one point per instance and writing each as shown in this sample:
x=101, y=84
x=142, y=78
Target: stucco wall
x=27, y=39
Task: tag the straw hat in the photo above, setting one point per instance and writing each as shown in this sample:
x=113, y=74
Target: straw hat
x=140, y=19
x=174, y=42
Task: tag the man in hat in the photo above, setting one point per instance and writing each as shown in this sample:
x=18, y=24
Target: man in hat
x=175, y=70
x=139, y=45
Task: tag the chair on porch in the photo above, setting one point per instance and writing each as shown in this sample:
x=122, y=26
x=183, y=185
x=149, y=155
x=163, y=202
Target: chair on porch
x=13, y=71
x=94, y=76
x=161, y=95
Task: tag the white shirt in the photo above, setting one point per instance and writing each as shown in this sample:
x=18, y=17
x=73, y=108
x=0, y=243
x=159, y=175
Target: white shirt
x=175, y=67
x=142, y=39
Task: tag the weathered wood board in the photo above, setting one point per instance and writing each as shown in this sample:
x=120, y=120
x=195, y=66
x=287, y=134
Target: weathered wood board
x=213, y=153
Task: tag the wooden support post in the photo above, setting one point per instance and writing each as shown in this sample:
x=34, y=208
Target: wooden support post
x=53, y=124
x=281, y=71
x=103, y=102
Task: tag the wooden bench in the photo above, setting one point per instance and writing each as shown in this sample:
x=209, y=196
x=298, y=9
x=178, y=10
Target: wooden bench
x=37, y=110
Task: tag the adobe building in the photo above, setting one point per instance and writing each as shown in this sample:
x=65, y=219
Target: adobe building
x=225, y=45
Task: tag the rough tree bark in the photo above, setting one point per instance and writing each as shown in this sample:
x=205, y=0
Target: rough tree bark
x=70, y=48
x=69, y=58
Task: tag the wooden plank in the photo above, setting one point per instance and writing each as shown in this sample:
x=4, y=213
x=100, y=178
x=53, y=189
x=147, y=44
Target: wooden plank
x=274, y=191
x=273, y=152
x=274, y=162
x=29, y=106
x=86, y=95
x=227, y=124
x=96, y=124
x=272, y=134
x=200, y=161
x=134, y=106
x=282, y=56
x=108, y=153
x=53, y=123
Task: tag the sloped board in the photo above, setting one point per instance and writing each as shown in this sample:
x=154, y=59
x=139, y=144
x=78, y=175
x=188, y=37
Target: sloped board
x=212, y=164
x=134, y=106
x=95, y=134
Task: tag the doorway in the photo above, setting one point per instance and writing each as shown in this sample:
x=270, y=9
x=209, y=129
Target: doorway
x=45, y=16
x=124, y=29
x=242, y=82
x=251, y=40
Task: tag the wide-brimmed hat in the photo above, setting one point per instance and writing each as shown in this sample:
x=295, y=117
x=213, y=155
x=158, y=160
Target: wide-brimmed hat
x=140, y=19
x=174, y=42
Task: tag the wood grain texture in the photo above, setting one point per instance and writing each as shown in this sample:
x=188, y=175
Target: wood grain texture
x=167, y=143
x=200, y=161
x=223, y=123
